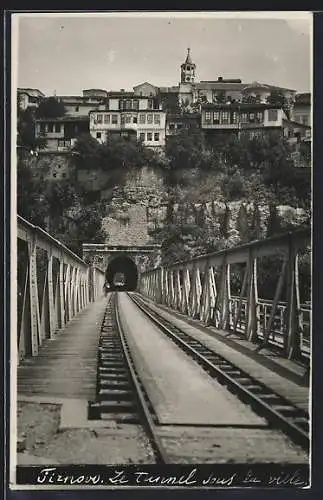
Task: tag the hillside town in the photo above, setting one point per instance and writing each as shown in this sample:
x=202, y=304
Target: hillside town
x=152, y=114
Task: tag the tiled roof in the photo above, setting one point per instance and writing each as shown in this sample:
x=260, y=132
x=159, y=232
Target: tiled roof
x=31, y=92
x=296, y=124
x=239, y=105
x=223, y=85
x=303, y=98
x=118, y=93
x=219, y=86
x=145, y=83
x=64, y=119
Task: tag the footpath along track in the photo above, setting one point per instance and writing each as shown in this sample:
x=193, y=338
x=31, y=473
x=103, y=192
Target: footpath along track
x=120, y=395
x=279, y=412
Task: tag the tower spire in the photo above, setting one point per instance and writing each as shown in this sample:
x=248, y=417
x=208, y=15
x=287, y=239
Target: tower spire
x=188, y=69
x=188, y=57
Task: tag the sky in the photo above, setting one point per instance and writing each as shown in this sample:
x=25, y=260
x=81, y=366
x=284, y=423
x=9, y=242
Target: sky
x=68, y=53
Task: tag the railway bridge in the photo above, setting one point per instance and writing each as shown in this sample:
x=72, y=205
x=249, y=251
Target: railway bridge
x=70, y=345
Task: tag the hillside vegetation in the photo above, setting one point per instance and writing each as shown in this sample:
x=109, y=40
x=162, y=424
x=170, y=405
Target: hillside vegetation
x=194, y=169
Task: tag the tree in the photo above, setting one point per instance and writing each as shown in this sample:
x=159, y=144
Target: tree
x=225, y=222
x=274, y=222
x=277, y=98
x=243, y=225
x=50, y=107
x=32, y=204
x=255, y=226
x=26, y=131
x=87, y=152
x=186, y=149
x=86, y=228
x=249, y=99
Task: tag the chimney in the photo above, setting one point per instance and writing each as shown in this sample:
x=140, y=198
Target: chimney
x=220, y=78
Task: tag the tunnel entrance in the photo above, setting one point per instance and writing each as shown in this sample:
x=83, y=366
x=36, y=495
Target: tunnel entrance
x=122, y=274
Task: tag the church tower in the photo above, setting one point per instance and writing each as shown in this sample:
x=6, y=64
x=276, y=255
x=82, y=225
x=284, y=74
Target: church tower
x=188, y=69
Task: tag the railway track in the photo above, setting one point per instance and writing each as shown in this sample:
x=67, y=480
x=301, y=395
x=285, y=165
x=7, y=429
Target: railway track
x=120, y=395
x=279, y=412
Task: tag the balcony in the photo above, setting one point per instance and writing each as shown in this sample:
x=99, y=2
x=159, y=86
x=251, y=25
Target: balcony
x=220, y=126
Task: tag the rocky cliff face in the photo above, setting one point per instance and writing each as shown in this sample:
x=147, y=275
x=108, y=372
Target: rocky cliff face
x=141, y=205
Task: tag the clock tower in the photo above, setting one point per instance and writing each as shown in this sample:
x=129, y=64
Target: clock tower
x=188, y=69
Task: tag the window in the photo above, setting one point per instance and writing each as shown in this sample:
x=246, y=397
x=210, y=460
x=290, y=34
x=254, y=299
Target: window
x=216, y=117
x=142, y=118
x=251, y=117
x=135, y=104
x=50, y=127
x=128, y=104
x=128, y=118
x=142, y=136
x=42, y=128
x=272, y=115
x=99, y=118
x=171, y=126
x=57, y=127
x=244, y=117
x=179, y=126
x=122, y=119
x=234, y=117
x=156, y=136
x=64, y=143
x=225, y=117
x=258, y=97
x=135, y=119
x=149, y=136
x=157, y=119
x=149, y=118
x=260, y=117
x=114, y=119
x=63, y=175
x=77, y=108
x=106, y=118
x=207, y=116
x=98, y=135
x=150, y=104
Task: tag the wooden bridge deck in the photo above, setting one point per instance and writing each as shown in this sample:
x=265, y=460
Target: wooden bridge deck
x=66, y=365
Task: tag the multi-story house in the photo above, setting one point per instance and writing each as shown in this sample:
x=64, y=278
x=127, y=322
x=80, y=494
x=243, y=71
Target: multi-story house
x=82, y=105
x=301, y=112
x=176, y=122
x=61, y=133
x=246, y=119
x=29, y=98
x=148, y=125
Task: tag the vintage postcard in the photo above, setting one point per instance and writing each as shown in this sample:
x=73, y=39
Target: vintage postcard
x=161, y=250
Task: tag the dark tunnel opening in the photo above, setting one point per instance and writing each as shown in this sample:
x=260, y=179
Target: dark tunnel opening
x=121, y=274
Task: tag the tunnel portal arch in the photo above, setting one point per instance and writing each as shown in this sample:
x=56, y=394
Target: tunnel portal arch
x=122, y=264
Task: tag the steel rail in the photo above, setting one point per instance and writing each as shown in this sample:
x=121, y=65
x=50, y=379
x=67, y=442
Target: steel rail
x=159, y=449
